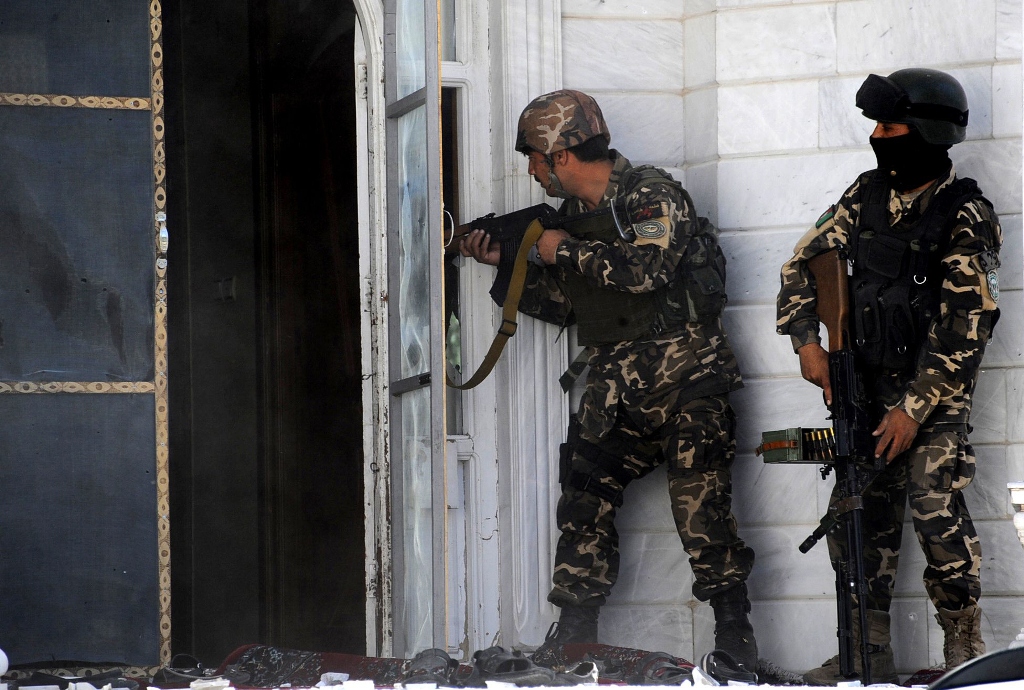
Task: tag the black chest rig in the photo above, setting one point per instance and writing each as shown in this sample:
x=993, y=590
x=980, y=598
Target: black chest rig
x=897, y=273
x=696, y=294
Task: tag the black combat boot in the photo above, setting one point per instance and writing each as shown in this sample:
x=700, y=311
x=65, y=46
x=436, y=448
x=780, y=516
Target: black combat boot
x=577, y=624
x=733, y=632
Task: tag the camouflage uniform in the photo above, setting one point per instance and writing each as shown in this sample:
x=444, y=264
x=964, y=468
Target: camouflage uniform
x=662, y=398
x=937, y=395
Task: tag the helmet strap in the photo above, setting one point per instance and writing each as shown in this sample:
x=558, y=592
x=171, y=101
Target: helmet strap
x=555, y=187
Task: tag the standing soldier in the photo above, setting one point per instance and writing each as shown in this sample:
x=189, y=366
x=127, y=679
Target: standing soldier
x=646, y=293
x=923, y=247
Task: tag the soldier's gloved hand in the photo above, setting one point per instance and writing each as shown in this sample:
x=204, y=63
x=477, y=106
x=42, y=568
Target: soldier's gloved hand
x=814, y=368
x=897, y=432
x=478, y=245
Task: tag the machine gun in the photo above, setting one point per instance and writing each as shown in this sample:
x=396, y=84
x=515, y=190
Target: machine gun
x=848, y=448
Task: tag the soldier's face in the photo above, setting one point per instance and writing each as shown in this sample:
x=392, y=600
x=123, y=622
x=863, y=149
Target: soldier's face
x=886, y=130
x=539, y=169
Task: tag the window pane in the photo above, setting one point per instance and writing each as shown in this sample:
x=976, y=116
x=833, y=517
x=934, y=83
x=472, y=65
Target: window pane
x=75, y=48
x=410, y=47
x=448, y=47
x=415, y=250
x=418, y=520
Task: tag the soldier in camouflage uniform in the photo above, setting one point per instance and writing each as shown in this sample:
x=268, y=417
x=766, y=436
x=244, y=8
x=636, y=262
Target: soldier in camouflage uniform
x=660, y=366
x=923, y=245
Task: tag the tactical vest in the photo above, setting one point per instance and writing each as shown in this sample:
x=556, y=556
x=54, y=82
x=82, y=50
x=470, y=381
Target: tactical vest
x=896, y=281
x=695, y=294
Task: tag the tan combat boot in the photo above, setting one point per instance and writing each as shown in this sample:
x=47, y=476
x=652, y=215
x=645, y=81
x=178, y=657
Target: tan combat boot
x=883, y=667
x=962, y=630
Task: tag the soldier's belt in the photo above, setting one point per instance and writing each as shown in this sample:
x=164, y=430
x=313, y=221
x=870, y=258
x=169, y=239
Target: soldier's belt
x=798, y=446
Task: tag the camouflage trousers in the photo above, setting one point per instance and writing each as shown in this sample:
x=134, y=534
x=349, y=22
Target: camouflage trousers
x=931, y=475
x=698, y=444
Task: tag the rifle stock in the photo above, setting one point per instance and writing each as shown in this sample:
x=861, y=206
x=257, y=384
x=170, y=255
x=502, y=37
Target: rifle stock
x=829, y=271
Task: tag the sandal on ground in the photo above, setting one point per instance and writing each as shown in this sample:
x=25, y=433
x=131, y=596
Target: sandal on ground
x=724, y=668
x=660, y=668
x=496, y=663
x=431, y=666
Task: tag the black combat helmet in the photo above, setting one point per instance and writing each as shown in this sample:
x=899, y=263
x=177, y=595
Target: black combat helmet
x=930, y=100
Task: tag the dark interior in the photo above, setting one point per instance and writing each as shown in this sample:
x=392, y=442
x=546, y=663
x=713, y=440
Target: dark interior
x=265, y=388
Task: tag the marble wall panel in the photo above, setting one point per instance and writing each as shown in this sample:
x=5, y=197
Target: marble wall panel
x=1006, y=348
x=996, y=165
x=637, y=9
x=908, y=625
x=1015, y=462
x=645, y=506
x=1006, y=100
x=760, y=350
x=1015, y=404
x=841, y=123
x=773, y=494
x=781, y=571
x=1003, y=557
x=785, y=191
x=781, y=116
x=1008, y=29
x=775, y=43
x=654, y=569
x=699, y=47
x=701, y=181
x=754, y=260
x=701, y=133
x=1011, y=273
x=646, y=127
x=988, y=415
x=880, y=35
x=650, y=60
x=667, y=628
x=987, y=497
x=797, y=635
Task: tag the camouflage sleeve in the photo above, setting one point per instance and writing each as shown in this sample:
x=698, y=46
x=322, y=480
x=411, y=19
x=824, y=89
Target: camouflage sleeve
x=951, y=356
x=797, y=301
x=663, y=222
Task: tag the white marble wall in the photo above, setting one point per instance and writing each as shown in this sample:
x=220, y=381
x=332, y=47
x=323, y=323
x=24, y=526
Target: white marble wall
x=754, y=101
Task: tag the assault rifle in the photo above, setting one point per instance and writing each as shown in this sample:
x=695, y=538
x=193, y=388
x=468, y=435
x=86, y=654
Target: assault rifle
x=517, y=232
x=855, y=462
x=509, y=229
x=848, y=448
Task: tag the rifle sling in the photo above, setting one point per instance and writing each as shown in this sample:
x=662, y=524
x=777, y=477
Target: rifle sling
x=509, y=309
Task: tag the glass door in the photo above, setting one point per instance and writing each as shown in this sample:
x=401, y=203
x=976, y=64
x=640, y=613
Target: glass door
x=415, y=323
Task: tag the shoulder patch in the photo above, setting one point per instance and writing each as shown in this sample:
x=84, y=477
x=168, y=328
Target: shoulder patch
x=650, y=229
x=826, y=216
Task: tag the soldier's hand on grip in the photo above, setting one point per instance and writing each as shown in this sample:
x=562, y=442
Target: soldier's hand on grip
x=478, y=245
x=896, y=432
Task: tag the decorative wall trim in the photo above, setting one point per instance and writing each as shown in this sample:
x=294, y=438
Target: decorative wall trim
x=160, y=242
x=61, y=101
x=76, y=387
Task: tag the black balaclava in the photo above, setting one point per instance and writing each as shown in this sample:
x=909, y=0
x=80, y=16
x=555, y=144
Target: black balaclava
x=908, y=161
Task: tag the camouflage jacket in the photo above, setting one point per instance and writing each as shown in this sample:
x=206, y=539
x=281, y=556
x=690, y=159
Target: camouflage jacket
x=940, y=389
x=651, y=376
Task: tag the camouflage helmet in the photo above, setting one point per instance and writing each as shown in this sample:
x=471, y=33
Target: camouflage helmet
x=931, y=101
x=559, y=120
